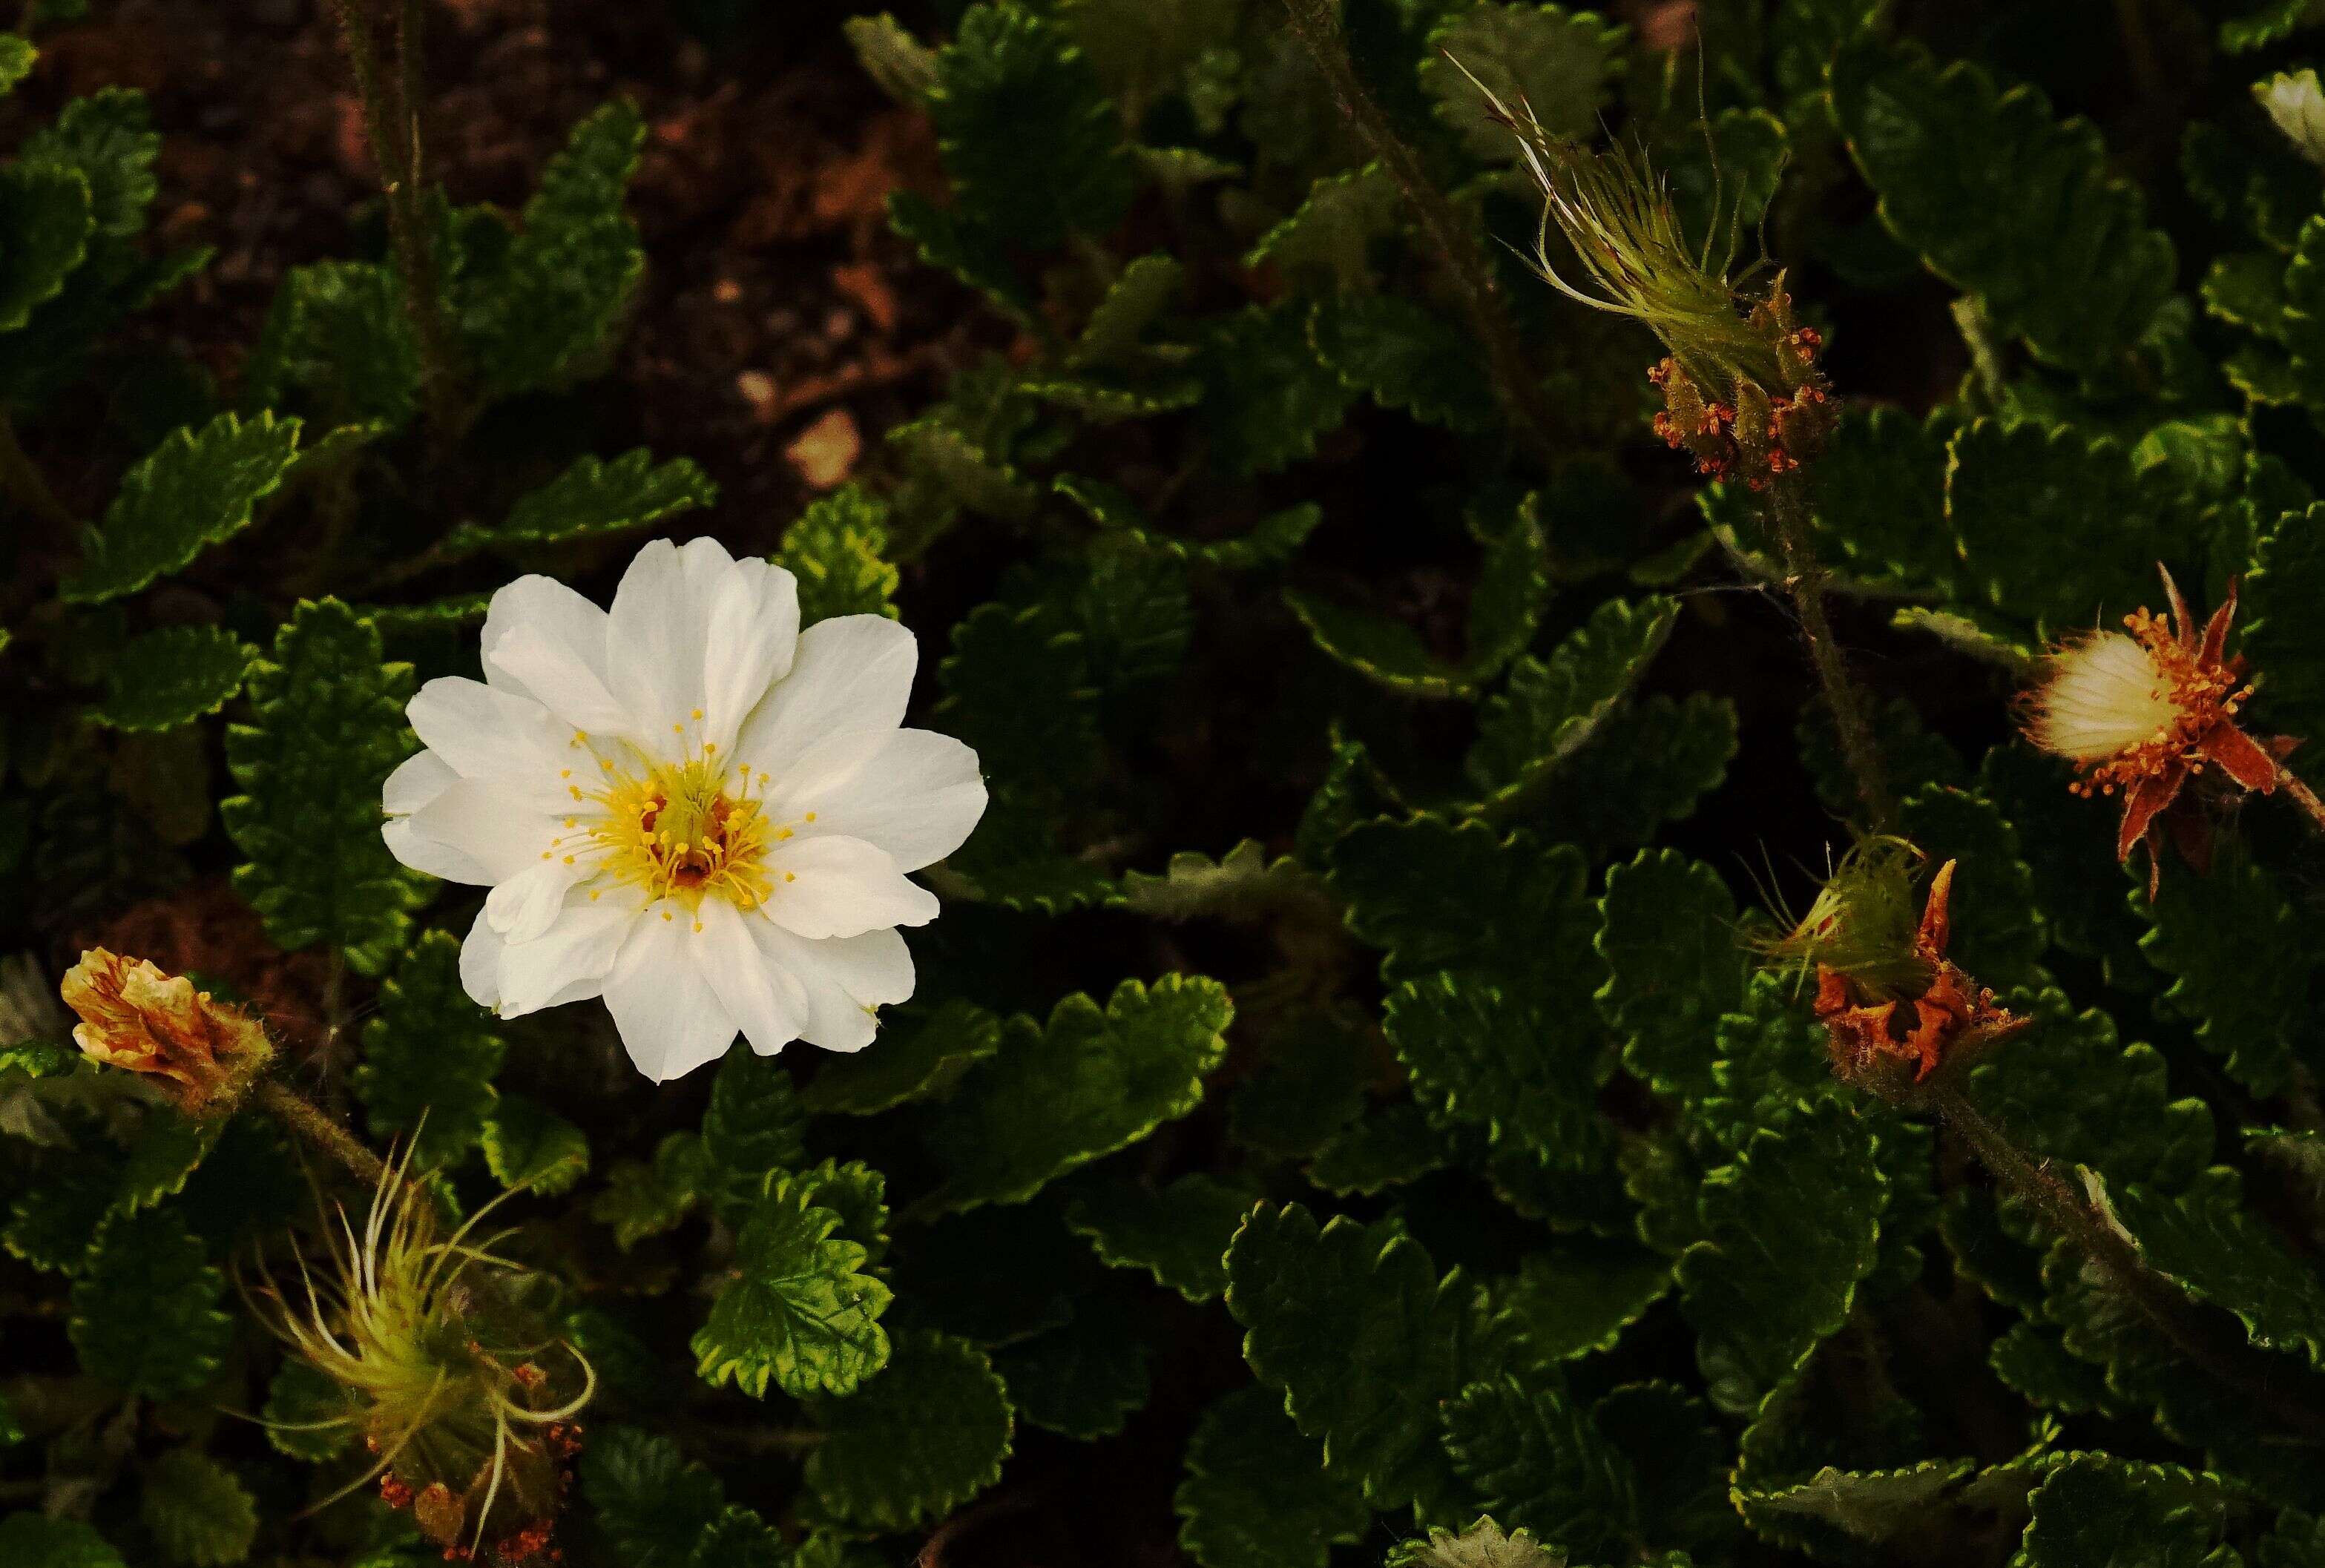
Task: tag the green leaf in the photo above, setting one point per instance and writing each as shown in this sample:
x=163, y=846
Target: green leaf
x=1033, y=148
x=1555, y=62
x=1178, y=1234
x=1244, y=884
x=2004, y=201
x=1580, y=1298
x=754, y=1126
x=429, y=1056
x=339, y=344
x=921, y=1059
x=1089, y=1082
x=1525, y=1073
x=592, y=498
x=543, y=308
x=1308, y=1085
x=1481, y=1545
x=196, y=489
x=1267, y=399
x=1084, y=1379
x=1443, y=897
x=108, y=139
x=17, y=55
x=652, y=1505
x=905, y=66
x=1649, y=764
x=1553, y=708
x=529, y=1145
x=173, y=676
x=1877, y=1507
x=1257, y=1494
x=1790, y=1229
x=2053, y=524
x=37, y=1541
x=1353, y=1325
x=2100, y=1510
x=1529, y=1453
x=1329, y=237
x=146, y=1316
x=1383, y=1150
x=1407, y=357
x=1997, y=934
x=799, y=1310
x=1145, y=288
x=642, y=1200
x=1272, y=540
x=2234, y=944
x=1669, y=934
x=952, y=241
x=2279, y=614
x=834, y=549
x=45, y=224
x=197, y=1511
x=1017, y=690
x=919, y=1441
x=2222, y=1252
x=308, y=1415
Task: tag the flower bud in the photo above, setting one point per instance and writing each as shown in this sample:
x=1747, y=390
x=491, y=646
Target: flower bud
x=135, y=1017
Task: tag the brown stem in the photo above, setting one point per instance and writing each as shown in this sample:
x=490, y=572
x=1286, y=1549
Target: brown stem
x=1516, y=385
x=303, y=1116
x=2302, y=795
x=392, y=127
x=2186, y=1326
x=1788, y=513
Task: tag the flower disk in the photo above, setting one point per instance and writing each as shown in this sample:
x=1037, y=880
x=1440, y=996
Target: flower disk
x=686, y=806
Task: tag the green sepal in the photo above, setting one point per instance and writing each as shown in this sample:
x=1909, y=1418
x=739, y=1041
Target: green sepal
x=199, y=488
x=173, y=676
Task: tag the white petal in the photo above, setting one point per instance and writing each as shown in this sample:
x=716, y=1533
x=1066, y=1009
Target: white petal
x=763, y=999
x=845, y=977
x=503, y=834
x=417, y=780
x=913, y=793
x=668, y=1016
x=832, y=886
x=658, y=635
x=2104, y=694
x=570, y=960
x=415, y=849
x=480, y=963
x=543, y=640
x=522, y=907
x=853, y=673
x=754, y=633
x=484, y=734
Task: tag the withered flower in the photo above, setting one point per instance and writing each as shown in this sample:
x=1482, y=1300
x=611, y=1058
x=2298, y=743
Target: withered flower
x=137, y=1018
x=2147, y=714
x=1889, y=998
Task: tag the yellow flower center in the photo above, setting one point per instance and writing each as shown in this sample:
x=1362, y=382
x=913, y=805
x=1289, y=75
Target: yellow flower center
x=687, y=831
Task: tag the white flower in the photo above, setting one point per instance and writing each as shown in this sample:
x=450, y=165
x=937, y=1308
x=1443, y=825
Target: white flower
x=2106, y=696
x=2297, y=105
x=686, y=806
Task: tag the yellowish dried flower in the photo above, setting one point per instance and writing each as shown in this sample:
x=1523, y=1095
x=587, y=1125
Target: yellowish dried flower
x=135, y=1017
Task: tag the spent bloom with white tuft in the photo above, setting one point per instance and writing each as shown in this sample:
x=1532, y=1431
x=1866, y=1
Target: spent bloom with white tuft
x=686, y=806
x=2149, y=712
x=204, y=1054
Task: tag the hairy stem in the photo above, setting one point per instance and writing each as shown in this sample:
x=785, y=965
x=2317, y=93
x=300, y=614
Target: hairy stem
x=311, y=1122
x=2188, y=1327
x=392, y=127
x=1788, y=512
x=2303, y=795
x=1518, y=389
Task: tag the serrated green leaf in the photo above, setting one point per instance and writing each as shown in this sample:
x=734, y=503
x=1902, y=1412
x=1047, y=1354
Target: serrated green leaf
x=1669, y=934
x=45, y=224
x=1790, y=1229
x=834, y=549
x=592, y=498
x=1880, y=496
x=37, y=1541
x=2279, y=618
x=17, y=55
x=1407, y=357
x=529, y=1145
x=651, y=1503
x=1649, y=763
x=1267, y=399
x=1442, y=897
x=917, y=1442
x=1329, y=236
x=1242, y=884
x=2222, y=1252
x=2266, y=23
x=1178, y=1234
x=1385, y=1149
x=1868, y=1506
x=1017, y=689
x=1482, y=1545
x=1257, y=1494
x=2004, y=201
x=1997, y=934
x=1524, y=1072
x=642, y=1200
x=308, y=1415
x=1308, y=1085
x=2232, y=943
x=199, y=488
x=1556, y=63
x=754, y=1126
x=1580, y=1298
x=1145, y=288
x=1553, y=708
x=905, y=66
x=1089, y=1083
x=2097, y=1508
x=429, y=1058
x=1084, y=1379
x=1033, y=148
x=108, y=139
x=541, y=308
x=173, y=676
x=1353, y=1325
x=921, y=1059
x=800, y=1311
x=2035, y=1364
x=1529, y=1453
x=340, y=344
x=948, y=239
x=197, y=1511
x=145, y=1317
